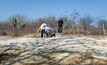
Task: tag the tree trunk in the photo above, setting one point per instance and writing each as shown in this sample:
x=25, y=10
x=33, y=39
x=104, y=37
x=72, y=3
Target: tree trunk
x=103, y=29
x=72, y=28
x=78, y=29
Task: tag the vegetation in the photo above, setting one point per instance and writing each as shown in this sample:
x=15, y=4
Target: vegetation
x=73, y=24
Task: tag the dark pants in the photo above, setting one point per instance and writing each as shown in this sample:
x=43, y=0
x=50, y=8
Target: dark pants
x=59, y=29
x=42, y=33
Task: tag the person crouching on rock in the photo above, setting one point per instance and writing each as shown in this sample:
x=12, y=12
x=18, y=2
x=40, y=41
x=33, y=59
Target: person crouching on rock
x=49, y=31
x=41, y=29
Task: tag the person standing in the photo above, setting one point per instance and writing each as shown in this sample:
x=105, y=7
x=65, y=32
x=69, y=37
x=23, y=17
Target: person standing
x=60, y=25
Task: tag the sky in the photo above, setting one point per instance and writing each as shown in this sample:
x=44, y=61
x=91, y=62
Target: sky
x=35, y=9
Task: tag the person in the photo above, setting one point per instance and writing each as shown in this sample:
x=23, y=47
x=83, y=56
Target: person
x=49, y=31
x=41, y=29
x=60, y=25
x=14, y=22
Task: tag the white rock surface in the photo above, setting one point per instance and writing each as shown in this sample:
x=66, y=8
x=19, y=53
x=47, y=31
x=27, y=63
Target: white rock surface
x=31, y=46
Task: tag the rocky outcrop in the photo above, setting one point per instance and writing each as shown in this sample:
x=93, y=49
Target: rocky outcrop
x=53, y=51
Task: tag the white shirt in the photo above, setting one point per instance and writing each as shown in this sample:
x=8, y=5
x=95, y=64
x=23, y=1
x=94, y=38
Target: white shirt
x=47, y=29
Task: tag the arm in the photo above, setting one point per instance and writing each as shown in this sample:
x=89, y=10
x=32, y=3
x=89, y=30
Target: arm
x=62, y=23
